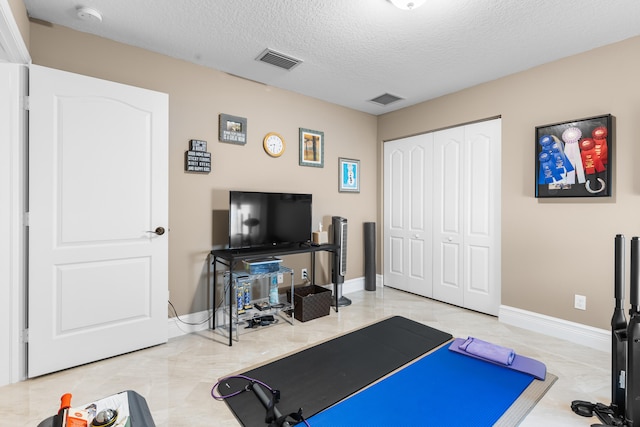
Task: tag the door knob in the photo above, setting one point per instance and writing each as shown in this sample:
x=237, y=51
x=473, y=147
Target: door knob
x=450, y=239
x=159, y=231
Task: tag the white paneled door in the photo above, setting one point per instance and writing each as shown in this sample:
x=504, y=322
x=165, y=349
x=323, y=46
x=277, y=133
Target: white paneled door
x=407, y=214
x=448, y=272
x=463, y=220
x=98, y=212
x=466, y=223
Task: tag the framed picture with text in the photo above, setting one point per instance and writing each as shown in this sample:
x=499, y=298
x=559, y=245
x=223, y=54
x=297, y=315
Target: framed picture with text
x=232, y=129
x=573, y=159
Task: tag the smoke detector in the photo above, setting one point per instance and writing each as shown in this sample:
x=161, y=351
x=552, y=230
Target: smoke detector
x=89, y=15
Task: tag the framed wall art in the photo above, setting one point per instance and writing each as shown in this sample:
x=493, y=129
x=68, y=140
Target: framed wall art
x=311, y=148
x=573, y=159
x=349, y=175
x=232, y=129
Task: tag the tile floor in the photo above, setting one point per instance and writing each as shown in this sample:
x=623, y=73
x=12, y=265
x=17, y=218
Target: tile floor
x=176, y=378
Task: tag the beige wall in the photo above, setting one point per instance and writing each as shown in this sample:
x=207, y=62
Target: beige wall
x=20, y=15
x=553, y=249
x=196, y=96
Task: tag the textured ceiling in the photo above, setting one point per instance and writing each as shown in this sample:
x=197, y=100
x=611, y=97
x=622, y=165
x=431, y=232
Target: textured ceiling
x=356, y=50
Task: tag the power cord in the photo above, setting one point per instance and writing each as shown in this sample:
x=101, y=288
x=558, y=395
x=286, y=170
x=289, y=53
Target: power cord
x=189, y=323
x=226, y=289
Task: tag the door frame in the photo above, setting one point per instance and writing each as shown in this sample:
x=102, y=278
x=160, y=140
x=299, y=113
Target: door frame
x=12, y=203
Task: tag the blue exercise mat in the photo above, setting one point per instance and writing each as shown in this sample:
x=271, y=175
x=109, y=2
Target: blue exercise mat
x=441, y=389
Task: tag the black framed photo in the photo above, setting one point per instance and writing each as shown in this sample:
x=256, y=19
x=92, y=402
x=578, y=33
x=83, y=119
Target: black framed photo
x=573, y=159
x=232, y=129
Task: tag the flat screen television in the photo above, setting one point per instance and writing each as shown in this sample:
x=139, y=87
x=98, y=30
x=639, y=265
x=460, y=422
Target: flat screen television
x=263, y=220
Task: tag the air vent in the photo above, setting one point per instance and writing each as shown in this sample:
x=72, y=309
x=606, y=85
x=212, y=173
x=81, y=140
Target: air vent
x=278, y=59
x=386, y=99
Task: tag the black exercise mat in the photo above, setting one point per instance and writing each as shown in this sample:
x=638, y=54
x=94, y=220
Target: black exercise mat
x=320, y=376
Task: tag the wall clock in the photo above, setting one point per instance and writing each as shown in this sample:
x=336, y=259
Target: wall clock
x=274, y=144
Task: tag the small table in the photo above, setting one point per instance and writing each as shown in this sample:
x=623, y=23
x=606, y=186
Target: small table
x=229, y=258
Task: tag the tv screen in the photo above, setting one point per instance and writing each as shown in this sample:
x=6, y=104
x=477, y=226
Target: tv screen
x=258, y=219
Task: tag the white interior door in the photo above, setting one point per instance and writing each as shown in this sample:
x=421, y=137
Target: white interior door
x=97, y=186
x=482, y=192
x=448, y=272
x=467, y=220
x=407, y=216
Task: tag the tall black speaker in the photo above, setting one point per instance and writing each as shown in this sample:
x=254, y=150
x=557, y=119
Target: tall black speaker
x=339, y=268
x=370, y=256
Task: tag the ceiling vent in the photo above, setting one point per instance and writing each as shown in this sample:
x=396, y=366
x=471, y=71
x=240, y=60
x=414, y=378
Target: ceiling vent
x=278, y=59
x=385, y=99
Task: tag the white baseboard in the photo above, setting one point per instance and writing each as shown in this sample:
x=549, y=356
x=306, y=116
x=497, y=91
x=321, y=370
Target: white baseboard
x=578, y=333
x=357, y=284
x=351, y=285
x=178, y=328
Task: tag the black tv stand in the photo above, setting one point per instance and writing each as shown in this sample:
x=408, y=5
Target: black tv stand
x=230, y=257
x=279, y=249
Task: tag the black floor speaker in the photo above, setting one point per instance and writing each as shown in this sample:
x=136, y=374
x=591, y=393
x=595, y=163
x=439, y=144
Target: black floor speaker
x=370, y=256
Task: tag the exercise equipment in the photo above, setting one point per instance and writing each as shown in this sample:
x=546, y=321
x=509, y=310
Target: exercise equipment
x=632, y=409
x=320, y=376
x=624, y=409
x=443, y=388
x=520, y=363
x=274, y=418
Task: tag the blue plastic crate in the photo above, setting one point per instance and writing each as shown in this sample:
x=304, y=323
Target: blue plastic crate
x=262, y=265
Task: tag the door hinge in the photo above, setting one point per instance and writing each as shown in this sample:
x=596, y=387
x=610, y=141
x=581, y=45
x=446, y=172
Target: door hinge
x=26, y=103
x=25, y=336
x=26, y=219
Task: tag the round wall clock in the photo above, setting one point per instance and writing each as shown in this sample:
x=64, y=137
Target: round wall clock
x=274, y=144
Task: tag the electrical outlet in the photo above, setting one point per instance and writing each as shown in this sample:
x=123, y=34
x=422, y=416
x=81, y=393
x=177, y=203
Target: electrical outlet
x=580, y=302
x=305, y=274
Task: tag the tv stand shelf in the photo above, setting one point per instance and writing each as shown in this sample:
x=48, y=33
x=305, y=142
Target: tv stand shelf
x=231, y=257
x=244, y=312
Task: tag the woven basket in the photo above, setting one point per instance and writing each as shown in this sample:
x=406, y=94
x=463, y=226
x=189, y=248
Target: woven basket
x=311, y=302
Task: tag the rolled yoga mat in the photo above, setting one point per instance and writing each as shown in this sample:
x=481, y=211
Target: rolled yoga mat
x=520, y=363
x=370, y=256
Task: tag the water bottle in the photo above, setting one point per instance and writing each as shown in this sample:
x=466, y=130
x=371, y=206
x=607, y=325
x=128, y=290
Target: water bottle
x=273, y=290
x=247, y=295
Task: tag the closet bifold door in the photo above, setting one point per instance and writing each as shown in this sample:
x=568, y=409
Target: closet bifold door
x=408, y=201
x=466, y=225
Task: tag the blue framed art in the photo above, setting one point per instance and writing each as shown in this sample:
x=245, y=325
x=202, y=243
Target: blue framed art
x=349, y=175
